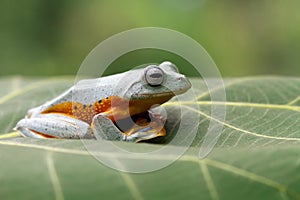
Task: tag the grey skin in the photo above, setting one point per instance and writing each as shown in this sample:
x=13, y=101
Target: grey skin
x=140, y=84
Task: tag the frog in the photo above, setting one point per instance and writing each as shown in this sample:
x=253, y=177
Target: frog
x=115, y=107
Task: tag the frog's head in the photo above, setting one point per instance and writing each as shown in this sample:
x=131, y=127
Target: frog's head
x=157, y=83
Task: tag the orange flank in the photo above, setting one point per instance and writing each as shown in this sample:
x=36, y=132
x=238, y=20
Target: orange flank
x=86, y=112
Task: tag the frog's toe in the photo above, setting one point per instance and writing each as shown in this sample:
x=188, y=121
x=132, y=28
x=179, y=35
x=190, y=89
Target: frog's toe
x=105, y=129
x=139, y=136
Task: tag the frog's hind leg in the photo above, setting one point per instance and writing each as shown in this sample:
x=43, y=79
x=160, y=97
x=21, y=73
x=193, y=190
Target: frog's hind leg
x=29, y=133
x=54, y=126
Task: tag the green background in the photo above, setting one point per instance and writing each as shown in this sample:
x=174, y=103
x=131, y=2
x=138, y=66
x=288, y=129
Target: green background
x=244, y=38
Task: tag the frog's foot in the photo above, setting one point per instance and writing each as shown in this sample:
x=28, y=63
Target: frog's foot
x=54, y=126
x=144, y=130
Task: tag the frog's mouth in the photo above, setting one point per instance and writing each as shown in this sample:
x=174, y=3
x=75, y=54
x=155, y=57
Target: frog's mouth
x=157, y=95
x=161, y=94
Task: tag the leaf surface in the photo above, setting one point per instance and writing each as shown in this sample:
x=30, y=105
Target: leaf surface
x=256, y=157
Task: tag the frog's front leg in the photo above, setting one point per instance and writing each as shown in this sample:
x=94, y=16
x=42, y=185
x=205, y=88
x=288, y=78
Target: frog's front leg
x=104, y=128
x=141, y=129
x=54, y=126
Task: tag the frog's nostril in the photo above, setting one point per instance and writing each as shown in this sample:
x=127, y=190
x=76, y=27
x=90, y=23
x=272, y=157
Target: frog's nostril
x=180, y=78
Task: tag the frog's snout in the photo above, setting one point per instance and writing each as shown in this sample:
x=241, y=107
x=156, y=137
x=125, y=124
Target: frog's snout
x=184, y=79
x=183, y=84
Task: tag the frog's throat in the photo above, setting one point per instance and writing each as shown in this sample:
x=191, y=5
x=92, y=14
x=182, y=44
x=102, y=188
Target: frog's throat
x=141, y=105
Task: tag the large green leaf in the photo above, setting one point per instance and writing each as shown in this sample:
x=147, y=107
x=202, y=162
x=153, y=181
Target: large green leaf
x=256, y=157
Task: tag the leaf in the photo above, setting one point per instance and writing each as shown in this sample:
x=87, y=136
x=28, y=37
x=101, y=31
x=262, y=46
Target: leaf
x=256, y=156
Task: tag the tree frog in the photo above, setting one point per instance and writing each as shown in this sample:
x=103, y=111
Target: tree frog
x=115, y=107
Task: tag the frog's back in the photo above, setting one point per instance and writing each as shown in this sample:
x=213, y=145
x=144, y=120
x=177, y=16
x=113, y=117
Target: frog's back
x=90, y=90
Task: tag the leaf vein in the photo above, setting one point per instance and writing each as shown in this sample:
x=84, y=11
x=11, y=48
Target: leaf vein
x=54, y=178
x=131, y=186
x=237, y=104
x=294, y=101
x=242, y=130
x=283, y=189
x=209, y=181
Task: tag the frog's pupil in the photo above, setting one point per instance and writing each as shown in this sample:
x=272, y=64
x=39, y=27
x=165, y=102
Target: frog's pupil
x=156, y=75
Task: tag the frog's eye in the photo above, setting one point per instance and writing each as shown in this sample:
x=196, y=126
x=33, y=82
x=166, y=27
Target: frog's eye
x=170, y=66
x=154, y=76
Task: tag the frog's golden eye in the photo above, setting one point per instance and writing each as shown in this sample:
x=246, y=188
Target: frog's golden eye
x=154, y=76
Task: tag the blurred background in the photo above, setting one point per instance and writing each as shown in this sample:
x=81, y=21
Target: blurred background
x=244, y=38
